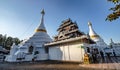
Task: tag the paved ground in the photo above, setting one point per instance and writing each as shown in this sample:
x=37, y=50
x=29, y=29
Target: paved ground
x=46, y=65
x=112, y=63
x=109, y=64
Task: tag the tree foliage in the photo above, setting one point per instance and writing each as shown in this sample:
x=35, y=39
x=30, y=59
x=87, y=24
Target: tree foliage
x=7, y=42
x=115, y=11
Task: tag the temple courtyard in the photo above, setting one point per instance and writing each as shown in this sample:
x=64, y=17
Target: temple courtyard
x=112, y=64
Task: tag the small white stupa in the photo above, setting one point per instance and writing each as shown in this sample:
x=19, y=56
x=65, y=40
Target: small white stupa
x=100, y=44
x=33, y=48
x=115, y=47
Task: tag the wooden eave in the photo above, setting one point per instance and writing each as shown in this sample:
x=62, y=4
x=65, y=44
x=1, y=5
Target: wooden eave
x=81, y=39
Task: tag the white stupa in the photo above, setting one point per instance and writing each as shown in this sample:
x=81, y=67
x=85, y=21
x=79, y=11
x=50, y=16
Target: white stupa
x=95, y=37
x=33, y=48
x=40, y=36
x=115, y=47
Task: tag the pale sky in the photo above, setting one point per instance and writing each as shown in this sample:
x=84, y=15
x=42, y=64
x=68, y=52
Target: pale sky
x=19, y=18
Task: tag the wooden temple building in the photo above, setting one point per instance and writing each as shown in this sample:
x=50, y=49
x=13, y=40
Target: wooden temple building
x=70, y=44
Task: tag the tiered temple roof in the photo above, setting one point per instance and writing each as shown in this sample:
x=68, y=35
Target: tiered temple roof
x=69, y=29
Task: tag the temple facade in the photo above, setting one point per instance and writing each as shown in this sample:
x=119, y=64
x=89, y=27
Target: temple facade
x=70, y=44
x=33, y=48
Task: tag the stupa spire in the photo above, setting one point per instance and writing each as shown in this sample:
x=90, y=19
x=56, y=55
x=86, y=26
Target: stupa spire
x=92, y=33
x=41, y=27
x=111, y=40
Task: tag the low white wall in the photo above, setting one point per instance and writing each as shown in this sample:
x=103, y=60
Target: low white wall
x=67, y=52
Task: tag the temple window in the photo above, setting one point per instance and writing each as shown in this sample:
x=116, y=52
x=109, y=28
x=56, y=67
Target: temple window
x=30, y=50
x=88, y=49
x=61, y=36
x=36, y=52
x=46, y=50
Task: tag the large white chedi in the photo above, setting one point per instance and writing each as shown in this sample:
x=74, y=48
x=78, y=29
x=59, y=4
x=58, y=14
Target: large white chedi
x=33, y=48
x=100, y=44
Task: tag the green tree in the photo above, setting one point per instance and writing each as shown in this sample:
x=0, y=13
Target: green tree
x=4, y=40
x=9, y=42
x=16, y=41
x=115, y=11
x=1, y=38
